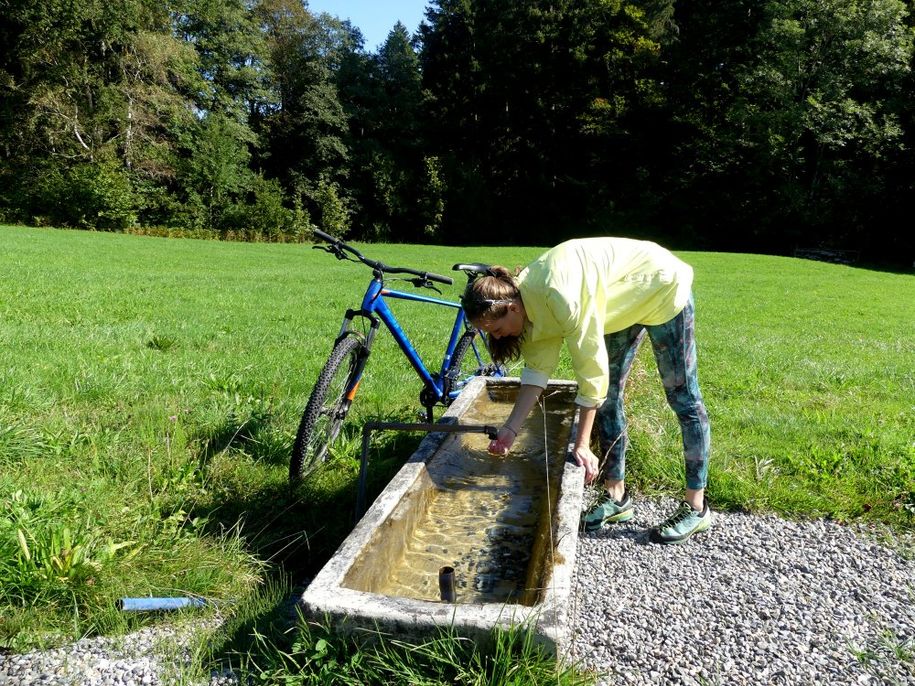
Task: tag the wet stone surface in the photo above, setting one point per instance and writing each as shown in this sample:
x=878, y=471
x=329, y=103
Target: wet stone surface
x=486, y=512
x=482, y=522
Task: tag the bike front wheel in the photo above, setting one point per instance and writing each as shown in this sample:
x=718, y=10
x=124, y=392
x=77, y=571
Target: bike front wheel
x=327, y=407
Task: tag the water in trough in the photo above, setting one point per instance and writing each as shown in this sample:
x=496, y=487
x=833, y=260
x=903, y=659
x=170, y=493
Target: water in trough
x=486, y=516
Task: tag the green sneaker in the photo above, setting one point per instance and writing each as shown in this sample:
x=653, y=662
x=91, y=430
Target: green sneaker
x=608, y=511
x=682, y=524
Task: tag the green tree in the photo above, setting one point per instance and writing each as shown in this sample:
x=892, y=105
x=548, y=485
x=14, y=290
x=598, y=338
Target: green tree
x=303, y=131
x=816, y=106
x=216, y=171
x=389, y=173
x=532, y=104
x=93, y=90
x=230, y=48
x=789, y=112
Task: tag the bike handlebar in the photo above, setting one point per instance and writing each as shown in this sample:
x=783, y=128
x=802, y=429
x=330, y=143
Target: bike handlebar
x=325, y=236
x=338, y=247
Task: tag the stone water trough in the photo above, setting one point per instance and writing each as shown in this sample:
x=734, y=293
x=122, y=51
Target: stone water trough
x=508, y=527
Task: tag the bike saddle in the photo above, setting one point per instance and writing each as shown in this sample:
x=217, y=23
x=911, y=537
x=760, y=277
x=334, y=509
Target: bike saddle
x=472, y=268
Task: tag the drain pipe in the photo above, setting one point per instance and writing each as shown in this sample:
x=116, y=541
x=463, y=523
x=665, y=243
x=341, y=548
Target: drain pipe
x=369, y=427
x=446, y=584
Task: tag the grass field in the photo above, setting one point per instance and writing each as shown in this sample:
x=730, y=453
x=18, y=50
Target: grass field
x=150, y=390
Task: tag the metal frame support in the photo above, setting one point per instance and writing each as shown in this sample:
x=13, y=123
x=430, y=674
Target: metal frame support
x=426, y=427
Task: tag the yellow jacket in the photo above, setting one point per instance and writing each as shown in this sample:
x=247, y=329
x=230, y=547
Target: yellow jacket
x=583, y=289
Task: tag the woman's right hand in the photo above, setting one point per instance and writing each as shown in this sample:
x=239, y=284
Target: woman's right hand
x=503, y=441
x=527, y=398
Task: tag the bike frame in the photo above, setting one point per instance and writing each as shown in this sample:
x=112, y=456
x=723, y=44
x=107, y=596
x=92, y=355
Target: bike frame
x=376, y=311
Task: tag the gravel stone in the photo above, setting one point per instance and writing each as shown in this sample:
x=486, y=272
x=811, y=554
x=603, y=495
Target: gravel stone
x=755, y=600
x=148, y=657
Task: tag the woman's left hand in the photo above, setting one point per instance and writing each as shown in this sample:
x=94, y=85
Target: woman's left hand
x=587, y=459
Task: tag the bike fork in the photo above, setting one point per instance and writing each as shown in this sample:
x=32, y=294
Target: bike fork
x=345, y=330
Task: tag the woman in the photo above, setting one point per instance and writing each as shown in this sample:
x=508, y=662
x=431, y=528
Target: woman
x=601, y=296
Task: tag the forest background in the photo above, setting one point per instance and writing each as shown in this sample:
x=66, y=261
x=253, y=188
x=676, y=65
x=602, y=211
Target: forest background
x=745, y=125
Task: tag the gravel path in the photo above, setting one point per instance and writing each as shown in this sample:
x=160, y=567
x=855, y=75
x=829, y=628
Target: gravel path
x=153, y=655
x=756, y=600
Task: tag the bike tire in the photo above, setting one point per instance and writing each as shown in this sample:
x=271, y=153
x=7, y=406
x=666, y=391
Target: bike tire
x=464, y=366
x=327, y=407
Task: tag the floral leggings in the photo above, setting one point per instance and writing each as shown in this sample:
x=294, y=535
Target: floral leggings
x=674, y=346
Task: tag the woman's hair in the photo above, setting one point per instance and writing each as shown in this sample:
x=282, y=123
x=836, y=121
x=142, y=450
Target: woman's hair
x=488, y=298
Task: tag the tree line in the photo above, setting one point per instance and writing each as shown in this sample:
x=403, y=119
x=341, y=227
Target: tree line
x=762, y=125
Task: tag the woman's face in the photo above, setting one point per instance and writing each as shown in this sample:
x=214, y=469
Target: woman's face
x=509, y=324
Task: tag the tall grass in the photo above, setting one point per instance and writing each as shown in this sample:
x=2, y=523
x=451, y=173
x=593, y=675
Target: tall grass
x=150, y=390
x=317, y=657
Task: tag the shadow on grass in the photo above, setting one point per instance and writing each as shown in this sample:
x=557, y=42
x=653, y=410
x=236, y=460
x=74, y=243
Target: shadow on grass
x=231, y=433
x=899, y=268
x=295, y=529
x=254, y=434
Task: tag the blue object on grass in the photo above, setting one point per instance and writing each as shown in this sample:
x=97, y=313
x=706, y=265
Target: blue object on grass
x=153, y=604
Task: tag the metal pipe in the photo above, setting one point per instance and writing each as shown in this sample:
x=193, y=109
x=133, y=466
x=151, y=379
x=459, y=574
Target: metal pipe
x=446, y=584
x=154, y=604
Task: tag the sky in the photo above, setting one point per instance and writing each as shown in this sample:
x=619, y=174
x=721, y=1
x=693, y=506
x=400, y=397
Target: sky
x=375, y=18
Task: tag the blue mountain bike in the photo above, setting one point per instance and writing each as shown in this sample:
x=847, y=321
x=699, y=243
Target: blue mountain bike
x=465, y=355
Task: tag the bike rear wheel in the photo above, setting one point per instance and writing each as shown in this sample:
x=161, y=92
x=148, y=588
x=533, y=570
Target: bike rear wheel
x=327, y=407
x=465, y=363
